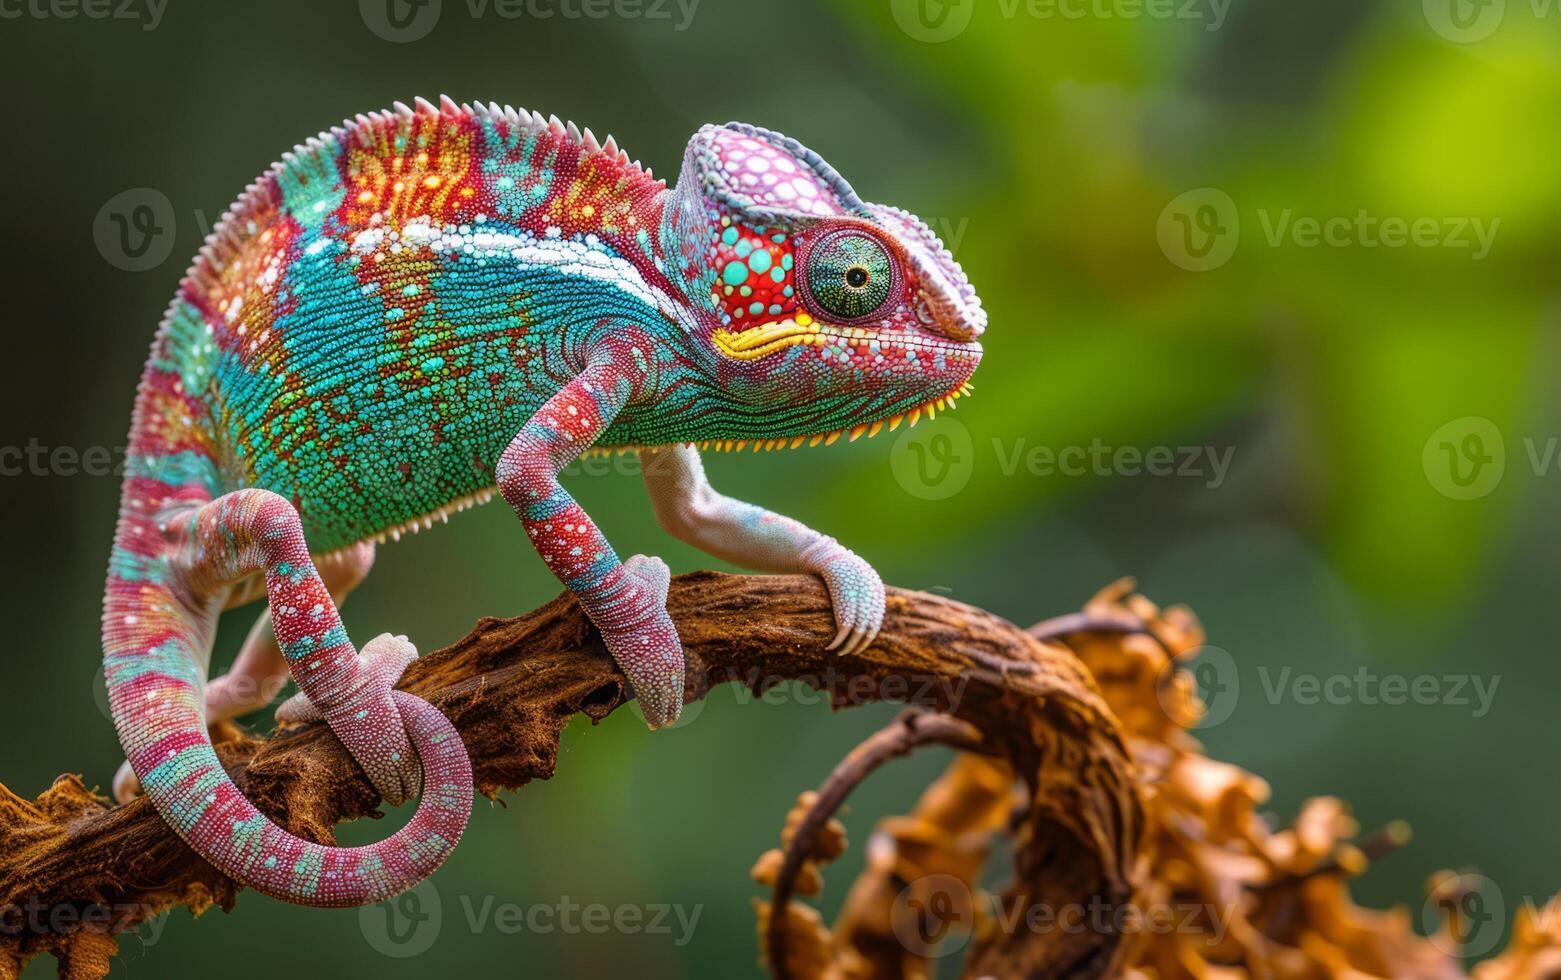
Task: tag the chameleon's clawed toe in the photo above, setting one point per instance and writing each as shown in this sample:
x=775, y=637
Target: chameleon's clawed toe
x=652, y=573
x=857, y=594
x=642, y=640
x=127, y=785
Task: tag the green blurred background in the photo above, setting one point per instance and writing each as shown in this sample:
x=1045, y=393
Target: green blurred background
x=1359, y=390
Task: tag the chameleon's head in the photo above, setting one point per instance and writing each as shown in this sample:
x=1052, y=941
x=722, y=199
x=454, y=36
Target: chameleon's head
x=831, y=313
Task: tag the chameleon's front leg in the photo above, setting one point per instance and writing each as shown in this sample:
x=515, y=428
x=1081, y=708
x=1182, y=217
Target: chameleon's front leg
x=693, y=511
x=626, y=600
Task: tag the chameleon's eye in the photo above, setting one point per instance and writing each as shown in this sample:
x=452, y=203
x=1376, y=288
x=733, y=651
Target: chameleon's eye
x=849, y=275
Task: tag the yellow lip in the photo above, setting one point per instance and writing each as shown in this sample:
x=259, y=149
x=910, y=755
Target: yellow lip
x=756, y=342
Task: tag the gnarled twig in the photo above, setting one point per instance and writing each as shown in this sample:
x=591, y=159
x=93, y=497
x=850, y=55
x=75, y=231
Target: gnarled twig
x=510, y=687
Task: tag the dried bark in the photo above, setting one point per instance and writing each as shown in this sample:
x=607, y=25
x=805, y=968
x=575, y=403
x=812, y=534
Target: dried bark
x=510, y=687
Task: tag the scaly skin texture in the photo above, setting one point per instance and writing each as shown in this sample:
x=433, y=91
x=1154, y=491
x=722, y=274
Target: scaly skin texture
x=423, y=306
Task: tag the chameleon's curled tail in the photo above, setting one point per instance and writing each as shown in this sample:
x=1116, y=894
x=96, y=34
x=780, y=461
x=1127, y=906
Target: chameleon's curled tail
x=175, y=555
x=155, y=643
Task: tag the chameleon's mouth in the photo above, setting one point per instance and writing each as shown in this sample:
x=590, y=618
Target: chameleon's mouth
x=765, y=339
x=769, y=338
x=929, y=408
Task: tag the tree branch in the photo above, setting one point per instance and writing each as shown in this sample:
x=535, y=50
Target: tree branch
x=908, y=731
x=510, y=687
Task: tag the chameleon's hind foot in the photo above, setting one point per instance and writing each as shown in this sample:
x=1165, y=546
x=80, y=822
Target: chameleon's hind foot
x=385, y=658
x=365, y=721
x=631, y=614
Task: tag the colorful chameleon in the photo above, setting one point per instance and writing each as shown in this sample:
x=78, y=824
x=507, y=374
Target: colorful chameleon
x=422, y=306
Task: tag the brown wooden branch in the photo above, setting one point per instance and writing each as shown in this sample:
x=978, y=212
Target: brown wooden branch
x=510, y=687
x=908, y=731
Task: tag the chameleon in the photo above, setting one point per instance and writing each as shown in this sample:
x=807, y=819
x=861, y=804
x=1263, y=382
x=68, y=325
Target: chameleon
x=423, y=307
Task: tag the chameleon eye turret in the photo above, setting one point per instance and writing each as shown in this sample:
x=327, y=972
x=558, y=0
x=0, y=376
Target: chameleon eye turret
x=848, y=276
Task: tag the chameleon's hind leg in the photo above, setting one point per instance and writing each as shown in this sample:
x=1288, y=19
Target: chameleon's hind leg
x=691, y=510
x=260, y=671
x=626, y=600
x=254, y=530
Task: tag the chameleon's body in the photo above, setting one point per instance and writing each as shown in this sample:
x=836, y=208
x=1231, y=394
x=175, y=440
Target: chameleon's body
x=425, y=306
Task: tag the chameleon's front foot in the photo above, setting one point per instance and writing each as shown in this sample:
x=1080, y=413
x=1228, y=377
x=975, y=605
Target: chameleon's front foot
x=630, y=611
x=855, y=590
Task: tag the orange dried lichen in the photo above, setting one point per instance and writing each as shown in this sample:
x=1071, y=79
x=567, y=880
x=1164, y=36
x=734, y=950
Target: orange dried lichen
x=1218, y=895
